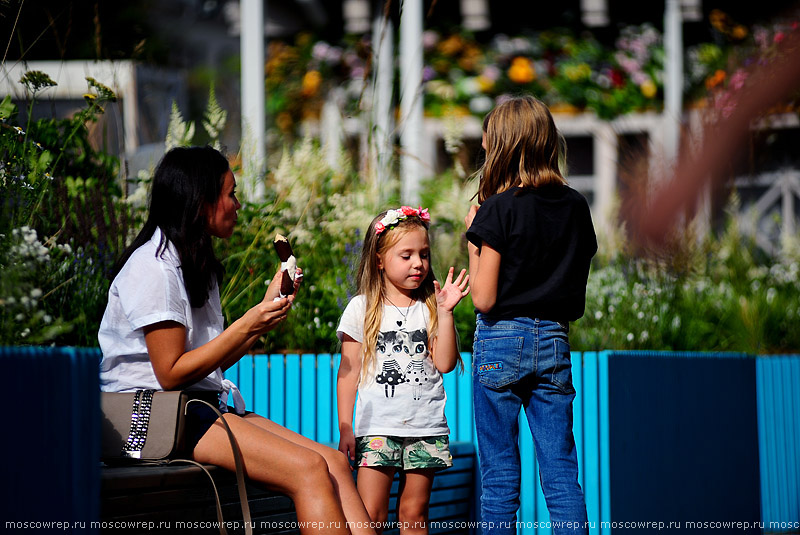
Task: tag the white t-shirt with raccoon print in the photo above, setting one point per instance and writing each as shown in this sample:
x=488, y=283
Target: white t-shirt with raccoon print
x=403, y=395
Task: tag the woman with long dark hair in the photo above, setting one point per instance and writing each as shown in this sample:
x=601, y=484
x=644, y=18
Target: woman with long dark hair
x=163, y=329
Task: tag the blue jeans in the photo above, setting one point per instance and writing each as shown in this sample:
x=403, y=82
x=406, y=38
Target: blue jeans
x=525, y=363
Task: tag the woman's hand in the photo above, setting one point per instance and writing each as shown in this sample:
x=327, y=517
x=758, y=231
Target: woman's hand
x=274, y=288
x=448, y=296
x=266, y=315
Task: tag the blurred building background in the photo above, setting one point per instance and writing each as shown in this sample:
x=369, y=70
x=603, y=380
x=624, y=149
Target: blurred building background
x=154, y=53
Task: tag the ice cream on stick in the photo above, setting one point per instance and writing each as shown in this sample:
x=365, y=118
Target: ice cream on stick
x=288, y=264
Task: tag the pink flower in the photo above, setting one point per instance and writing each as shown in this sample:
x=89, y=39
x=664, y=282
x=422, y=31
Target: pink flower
x=424, y=215
x=379, y=227
x=738, y=79
x=407, y=210
x=778, y=37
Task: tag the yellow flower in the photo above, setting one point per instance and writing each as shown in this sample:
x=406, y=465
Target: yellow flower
x=485, y=84
x=311, y=83
x=577, y=73
x=284, y=121
x=739, y=32
x=648, y=89
x=521, y=71
x=718, y=20
x=451, y=46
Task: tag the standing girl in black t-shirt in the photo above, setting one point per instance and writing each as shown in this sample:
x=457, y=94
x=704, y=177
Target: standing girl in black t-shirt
x=530, y=245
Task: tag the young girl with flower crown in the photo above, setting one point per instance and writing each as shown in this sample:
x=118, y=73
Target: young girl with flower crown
x=398, y=338
x=530, y=246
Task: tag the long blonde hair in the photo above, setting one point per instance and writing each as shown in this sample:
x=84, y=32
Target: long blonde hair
x=523, y=147
x=371, y=286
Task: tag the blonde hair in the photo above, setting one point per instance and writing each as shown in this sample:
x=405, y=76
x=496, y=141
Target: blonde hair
x=371, y=285
x=523, y=147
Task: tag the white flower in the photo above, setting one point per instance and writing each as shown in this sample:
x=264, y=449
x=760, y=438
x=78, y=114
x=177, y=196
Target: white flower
x=598, y=315
x=644, y=336
x=47, y=319
x=771, y=293
x=36, y=293
x=629, y=337
x=640, y=315
x=392, y=217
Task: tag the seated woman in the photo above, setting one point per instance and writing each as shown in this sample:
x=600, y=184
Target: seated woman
x=163, y=330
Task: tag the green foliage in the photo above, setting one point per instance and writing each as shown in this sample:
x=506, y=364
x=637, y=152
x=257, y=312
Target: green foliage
x=715, y=295
x=322, y=212
x=62, y=224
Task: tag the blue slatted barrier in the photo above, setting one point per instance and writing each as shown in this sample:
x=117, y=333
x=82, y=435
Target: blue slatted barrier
x=778, y=378
x=50, y=450
x=299, y=391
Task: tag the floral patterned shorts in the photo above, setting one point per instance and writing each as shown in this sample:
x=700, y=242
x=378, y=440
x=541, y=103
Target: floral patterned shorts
x=406, y=453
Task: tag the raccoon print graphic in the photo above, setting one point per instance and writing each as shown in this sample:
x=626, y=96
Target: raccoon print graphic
x=390, y=347
x=395, y=346
x=415, y=371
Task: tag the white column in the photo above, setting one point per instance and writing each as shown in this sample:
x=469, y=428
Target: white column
x=332, y=128
x=594, y=12
x=475, y=15
x=411, y=99
x=787, y=207
x=382, y=124
x=673, y=78
x=253, y=98
x=605, y=172
x=356, y=16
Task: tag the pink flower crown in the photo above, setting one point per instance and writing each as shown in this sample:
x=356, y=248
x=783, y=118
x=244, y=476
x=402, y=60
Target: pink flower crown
x=393, y=217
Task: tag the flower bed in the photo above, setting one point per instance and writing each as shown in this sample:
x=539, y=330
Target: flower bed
x=570, y=72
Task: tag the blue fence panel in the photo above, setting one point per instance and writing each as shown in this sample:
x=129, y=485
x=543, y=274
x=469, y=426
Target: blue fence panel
x=300, y=391
x=308, y=389
x=276, y=391
x=293, y=392
x=729, y=421
x=778, y=378
x=326, y=396
x=49, y=468
x=683, y=438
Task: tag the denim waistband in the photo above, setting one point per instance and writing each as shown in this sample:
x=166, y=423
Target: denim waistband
x=519, y=323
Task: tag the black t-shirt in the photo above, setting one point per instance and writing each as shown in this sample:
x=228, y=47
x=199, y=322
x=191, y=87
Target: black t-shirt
x=546, y=242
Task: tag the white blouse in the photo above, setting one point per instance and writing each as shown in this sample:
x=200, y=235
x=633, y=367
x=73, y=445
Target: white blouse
x=150, y=289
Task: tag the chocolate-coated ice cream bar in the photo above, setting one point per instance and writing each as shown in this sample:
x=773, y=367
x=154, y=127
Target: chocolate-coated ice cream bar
x=288, y=264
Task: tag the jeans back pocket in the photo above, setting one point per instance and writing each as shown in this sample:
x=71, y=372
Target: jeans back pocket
x=497, y=360
x=562, y=367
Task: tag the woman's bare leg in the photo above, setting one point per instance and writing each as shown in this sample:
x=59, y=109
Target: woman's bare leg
x=340, y=470
x=270, y=459
x=374, y=486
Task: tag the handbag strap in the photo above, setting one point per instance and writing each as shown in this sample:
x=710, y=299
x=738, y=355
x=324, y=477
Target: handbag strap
x=240, y=482
x=140, y=420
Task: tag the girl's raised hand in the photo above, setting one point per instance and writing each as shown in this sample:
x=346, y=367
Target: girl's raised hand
x=448, y=296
